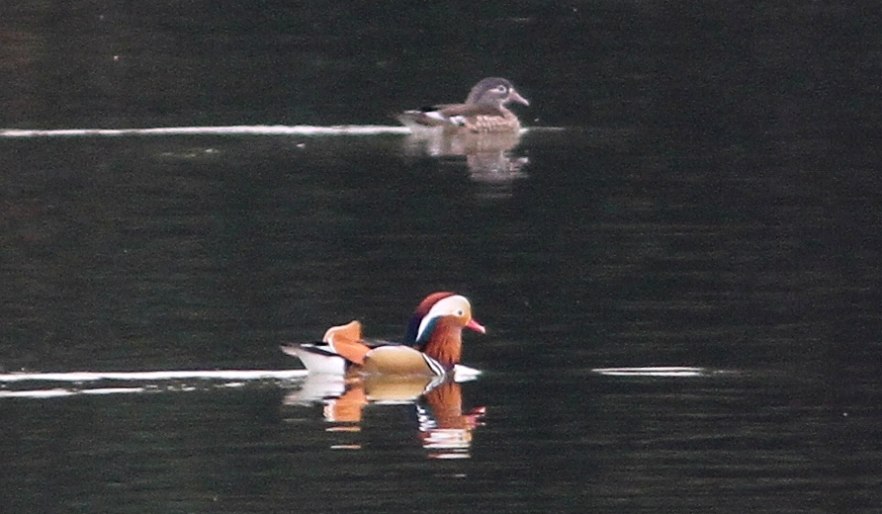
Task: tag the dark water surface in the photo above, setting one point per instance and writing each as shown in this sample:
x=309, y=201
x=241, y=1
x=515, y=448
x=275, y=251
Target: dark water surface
x=712, y=201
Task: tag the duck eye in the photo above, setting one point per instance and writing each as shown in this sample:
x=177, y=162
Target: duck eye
x=501, y=89
x=459, y=312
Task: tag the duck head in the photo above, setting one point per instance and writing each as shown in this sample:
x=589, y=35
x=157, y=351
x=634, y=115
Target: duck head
x=495, y=91
x=439, y=333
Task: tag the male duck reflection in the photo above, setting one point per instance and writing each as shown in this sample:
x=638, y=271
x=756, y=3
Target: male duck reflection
x=445, y=427
x=483, y=112
x=432, y=345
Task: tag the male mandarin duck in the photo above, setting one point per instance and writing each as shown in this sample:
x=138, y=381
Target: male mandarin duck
x=432, y=346
x=483, y=112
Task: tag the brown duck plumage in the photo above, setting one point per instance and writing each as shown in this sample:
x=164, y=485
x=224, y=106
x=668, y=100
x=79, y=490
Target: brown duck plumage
x=484, y=111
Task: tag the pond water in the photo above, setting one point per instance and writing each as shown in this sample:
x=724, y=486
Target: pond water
x=678, y=262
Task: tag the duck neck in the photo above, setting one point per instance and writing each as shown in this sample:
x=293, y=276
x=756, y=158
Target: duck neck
x=445, y=343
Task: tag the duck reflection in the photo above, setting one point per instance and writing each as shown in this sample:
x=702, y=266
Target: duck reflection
x=444, y=428
x=488, y=156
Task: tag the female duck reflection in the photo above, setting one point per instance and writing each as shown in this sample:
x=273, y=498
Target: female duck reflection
x=347, y=373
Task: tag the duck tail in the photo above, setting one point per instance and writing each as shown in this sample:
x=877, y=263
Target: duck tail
x=346, y=341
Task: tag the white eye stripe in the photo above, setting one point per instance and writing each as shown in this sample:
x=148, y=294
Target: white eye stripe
x=455, y=304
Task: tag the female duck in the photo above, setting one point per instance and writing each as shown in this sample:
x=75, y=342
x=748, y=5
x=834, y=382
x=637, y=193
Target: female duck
x=483, y=112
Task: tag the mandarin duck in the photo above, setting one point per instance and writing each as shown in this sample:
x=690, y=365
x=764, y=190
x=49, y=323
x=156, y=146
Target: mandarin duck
x=432, y=345
x=483, y=112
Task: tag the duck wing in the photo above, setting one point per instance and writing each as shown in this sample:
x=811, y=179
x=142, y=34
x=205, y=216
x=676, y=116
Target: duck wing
x=447, y=115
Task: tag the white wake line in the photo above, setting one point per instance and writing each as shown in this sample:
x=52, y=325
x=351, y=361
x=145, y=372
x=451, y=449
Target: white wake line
x=657, y=371
x=59, y=393
x=232, y=130
x=154, y=376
